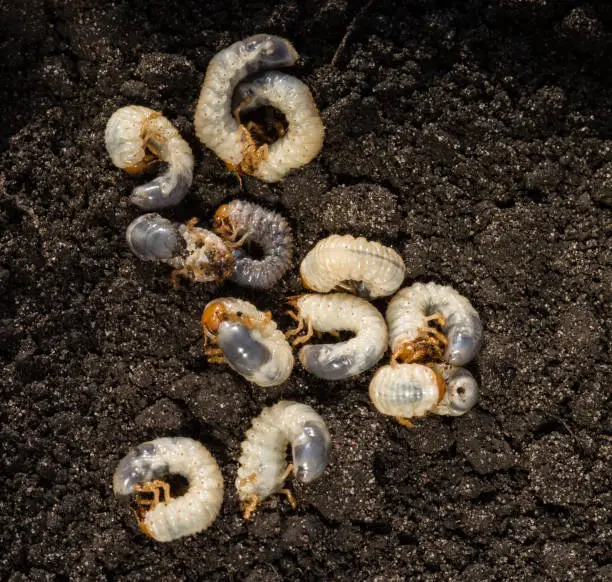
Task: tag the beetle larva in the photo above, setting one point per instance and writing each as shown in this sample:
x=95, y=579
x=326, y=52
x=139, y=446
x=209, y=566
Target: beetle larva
x=195, y=253
x=303, y=139
x=413, y=339
x=217, y=125
x=269, y=230
x=412, y=390
x=137, y=136
x=247, y=340
x=339, y=312
x=141, y=472
x=263, y=468
x=352, y=264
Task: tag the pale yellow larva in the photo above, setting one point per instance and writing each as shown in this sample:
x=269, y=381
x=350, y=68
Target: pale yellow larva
x=304, y=136
x=413, y=390
x=333, y=313
x=353, y=264
x=216, y=121
x=413, y=339
x=263, y=468
x=248, y=340
x=136, y=136
x=142, y=472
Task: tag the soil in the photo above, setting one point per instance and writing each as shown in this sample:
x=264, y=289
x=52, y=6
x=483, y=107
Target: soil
x=472, y=136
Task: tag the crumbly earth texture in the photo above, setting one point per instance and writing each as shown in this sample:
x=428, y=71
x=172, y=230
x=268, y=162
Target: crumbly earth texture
x=473, y=137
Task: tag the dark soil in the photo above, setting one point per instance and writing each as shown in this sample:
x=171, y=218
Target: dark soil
x=472, y=136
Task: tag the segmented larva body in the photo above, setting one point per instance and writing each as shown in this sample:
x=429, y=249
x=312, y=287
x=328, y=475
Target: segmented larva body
x=135, y=137
x=413, y=390
x=339, y=312
x=412, y=339
x=269, y=230
x=263, y=468
x=248, y=340
x=303, y=139
x=353, y=264
x=195, y=253
x=216, y=123
x=142, y=471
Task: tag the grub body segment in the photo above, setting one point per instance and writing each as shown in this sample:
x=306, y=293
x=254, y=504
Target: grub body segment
x=337, y=312
x=263, y=466
x=214, y=122
x=414, y=390
x=249, y=341
x=144, y=470
x=137, y=136
x=305, y=133
x=250, y=223
x=409, y=314
x=355, y=264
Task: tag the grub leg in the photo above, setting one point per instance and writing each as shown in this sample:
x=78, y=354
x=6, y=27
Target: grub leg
x=154, y=487
x=287, y=471
x=165, y=487
x=437, y=318
x=231, y=241
x=215, y=356
x=214, y=352
x=238, y=109
x=405, y=422
x=192, y=222
x=208, y=337
x=298, y=329
x=303, y=339
x=293, y=315
x=250, y=507
x=436, y=334
x=252, y=478
x=236, y=171
x=290, y=497
x=176, y=275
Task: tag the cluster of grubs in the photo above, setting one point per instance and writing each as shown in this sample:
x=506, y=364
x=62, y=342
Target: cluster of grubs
x=430, y=329
x=239, y=79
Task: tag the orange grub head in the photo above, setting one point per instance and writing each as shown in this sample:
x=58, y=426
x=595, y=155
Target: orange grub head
x=222, y=218
x=212, y=317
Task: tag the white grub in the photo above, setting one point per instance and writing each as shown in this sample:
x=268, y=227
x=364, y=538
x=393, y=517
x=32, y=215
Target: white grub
x=217, y=123
x=269, y=230
x=333, y=313
x=214, y=121
x=247, y=340
x=140, y=475
x=195, y=253
x=137, y=136
x=303, y=139
x=263, y=468
x=352, y=264
x=413, y=390
x=411, y=336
